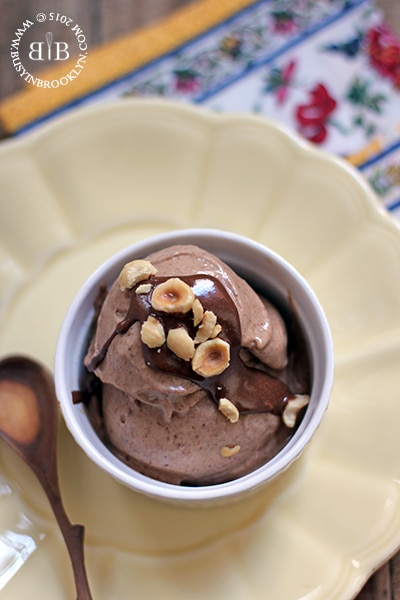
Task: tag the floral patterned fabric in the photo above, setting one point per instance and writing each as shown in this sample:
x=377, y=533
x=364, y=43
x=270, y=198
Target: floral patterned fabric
x=330, y=69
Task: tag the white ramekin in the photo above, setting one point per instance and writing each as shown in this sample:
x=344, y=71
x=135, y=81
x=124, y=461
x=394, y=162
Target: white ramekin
x=262, y=268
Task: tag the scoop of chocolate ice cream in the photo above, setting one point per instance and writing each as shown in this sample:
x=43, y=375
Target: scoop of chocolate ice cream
x=195, y=369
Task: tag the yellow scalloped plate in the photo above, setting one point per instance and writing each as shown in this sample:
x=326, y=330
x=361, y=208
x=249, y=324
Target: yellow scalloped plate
x=101, y=178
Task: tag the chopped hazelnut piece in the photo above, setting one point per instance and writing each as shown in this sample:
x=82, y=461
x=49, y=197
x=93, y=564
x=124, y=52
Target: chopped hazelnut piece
x=198, y=312
x=134, y=272
x=216, y=331
x=180, y=343
x=293, y=407
x=143, y=288
x=206, y=327
x=227, y=451
x=152, y=333
x=228, y=409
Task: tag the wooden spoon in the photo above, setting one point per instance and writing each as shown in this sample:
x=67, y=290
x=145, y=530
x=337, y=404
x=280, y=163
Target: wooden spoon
x=28, y=423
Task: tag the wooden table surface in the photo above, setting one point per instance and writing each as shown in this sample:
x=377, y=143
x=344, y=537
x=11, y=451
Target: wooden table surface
x=103, y=20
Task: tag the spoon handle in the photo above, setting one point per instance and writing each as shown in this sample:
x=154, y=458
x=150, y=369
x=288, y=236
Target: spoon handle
x=28, y=423
x=73, y=536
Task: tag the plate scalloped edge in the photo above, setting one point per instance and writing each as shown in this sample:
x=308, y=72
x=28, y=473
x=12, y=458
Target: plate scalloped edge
x=45, y=255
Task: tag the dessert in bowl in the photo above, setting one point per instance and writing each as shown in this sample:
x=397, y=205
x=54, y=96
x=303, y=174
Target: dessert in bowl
x=194, y=366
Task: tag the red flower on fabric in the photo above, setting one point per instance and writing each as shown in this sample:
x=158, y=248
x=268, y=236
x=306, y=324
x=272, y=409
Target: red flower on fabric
x=312, y=117
x=284, y=21
x=384, y=53
x=286, y=74
x=186, y=80
x=278, y=81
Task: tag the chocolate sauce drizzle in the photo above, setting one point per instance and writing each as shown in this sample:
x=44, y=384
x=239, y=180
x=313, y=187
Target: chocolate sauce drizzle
x=250, y=389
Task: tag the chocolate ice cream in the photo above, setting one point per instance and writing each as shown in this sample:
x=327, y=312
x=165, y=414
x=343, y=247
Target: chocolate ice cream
x=199, y=378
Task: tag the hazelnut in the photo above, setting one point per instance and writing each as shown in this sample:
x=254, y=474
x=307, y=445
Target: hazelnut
x=133, y=272
x=211, y=357
x=293, y=407
x=173, y=296
x=152, y=333
x=228, y=409
x=180, y=343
